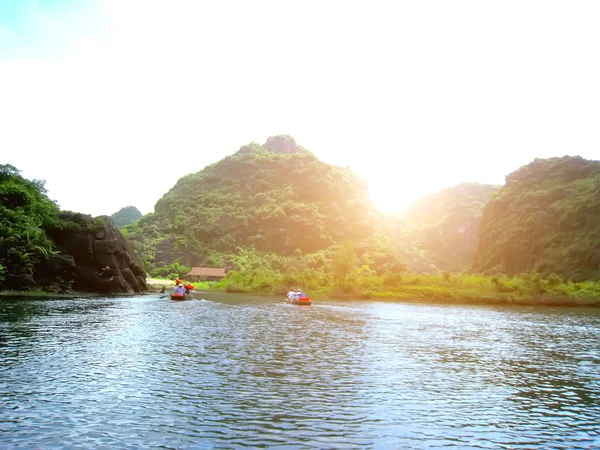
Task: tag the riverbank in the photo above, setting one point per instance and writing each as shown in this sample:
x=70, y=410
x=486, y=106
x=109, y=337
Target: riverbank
x=476, y=290
x=39, y=293
x=68, y=295
x=458, y=297
x=460, y=289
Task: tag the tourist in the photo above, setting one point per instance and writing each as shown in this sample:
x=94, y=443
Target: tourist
x=179, y=289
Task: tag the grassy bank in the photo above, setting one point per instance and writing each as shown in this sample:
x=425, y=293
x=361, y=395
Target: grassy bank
x=156, y=284
x=526, y=289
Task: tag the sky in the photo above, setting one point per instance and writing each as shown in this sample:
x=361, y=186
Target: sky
x=112, y=101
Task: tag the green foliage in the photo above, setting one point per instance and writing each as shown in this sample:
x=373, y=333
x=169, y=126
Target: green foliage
x=25, y=211
x=126, y=216
x=275, y=199
x=546, y=219
x=271, y=274
x=97, y=223
x=342, y=263
x=171, y=271
x=554, y=280
x=392, y=279
x=231, y=287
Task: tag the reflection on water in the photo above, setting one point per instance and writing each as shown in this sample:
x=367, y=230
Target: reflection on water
x=243, y=371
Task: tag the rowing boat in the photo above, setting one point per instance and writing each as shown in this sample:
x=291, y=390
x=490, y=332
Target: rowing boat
x=301, y=301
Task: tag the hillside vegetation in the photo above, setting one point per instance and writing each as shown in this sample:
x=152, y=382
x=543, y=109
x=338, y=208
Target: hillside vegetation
x=25, y=211
x=545, y=219
x=277, y=199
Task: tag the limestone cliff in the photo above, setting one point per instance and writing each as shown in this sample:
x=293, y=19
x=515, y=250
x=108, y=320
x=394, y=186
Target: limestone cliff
x=103, y=261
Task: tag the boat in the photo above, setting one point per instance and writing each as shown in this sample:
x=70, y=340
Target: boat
x=181, y=296
x=301, y=301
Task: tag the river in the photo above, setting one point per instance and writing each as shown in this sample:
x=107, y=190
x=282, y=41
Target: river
x=237, y=371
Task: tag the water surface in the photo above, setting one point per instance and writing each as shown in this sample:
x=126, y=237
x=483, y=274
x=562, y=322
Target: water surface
x=237, y=371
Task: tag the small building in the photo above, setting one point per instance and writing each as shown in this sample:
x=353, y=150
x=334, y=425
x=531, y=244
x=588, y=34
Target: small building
x=206, y=274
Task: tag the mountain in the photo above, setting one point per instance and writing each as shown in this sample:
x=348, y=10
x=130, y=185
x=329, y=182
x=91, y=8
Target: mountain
x=274, y=198
x=440, y=232
x=545, y=219
x=126, y=216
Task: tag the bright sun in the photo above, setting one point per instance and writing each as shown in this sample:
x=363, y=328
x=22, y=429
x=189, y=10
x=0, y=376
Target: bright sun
x=390, y=199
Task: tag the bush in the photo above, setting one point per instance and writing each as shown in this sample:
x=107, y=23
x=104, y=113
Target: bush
x=171, y=271
x=392, y=279
x=264, y=287
x=554, y=280
x=231, y=287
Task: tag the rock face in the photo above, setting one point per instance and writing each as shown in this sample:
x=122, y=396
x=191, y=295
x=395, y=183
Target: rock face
x=103, y=261
x=56, y=270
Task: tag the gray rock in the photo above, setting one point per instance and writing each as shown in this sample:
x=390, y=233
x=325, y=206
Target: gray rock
x=104, y=260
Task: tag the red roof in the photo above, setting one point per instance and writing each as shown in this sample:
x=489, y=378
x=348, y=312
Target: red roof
x=207, y=272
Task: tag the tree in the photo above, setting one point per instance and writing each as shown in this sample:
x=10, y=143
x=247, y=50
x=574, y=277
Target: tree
x=25, y=212
x=544, y=220
x=343, y=263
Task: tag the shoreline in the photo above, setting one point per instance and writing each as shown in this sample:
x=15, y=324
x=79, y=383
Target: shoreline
x=69, y=295
x=579, y=302
x=445, y=296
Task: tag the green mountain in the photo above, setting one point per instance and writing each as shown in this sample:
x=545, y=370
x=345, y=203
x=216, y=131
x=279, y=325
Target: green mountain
x=545, y=219
x=276, y=198
x=126, y=216
x=440, y=232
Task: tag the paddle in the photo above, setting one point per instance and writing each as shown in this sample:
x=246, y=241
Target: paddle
x=163, y=291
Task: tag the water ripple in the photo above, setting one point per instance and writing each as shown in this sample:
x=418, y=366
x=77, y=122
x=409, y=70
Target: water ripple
x=239, y=372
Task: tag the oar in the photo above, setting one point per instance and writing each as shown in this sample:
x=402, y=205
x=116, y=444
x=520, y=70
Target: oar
x=163, y=291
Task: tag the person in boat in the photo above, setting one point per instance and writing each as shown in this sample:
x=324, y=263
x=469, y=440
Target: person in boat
x=179, y=289
x=302, y=294
x=294, y=294
x=290, y=295
x=189, y=288
x=177, y=281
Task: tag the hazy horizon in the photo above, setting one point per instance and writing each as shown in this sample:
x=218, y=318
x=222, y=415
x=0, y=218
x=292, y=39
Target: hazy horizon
x=112, y=102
